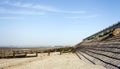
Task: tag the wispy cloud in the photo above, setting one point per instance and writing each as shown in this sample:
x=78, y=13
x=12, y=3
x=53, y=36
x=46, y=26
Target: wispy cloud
x=40, y=7
x=23, y=12
x=82, y=17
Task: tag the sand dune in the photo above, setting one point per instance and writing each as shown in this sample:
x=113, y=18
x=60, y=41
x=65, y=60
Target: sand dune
x=54, y=61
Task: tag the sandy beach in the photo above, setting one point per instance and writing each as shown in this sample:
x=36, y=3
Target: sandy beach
x=54, y=61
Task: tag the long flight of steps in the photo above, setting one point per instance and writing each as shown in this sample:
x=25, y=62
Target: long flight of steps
x=105, y=52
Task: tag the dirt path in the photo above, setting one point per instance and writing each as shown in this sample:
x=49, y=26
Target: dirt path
x=64, y=61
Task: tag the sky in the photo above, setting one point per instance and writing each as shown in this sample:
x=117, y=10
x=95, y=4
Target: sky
x=54, y=22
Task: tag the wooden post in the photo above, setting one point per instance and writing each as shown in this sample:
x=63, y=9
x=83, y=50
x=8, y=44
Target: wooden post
x=36, y=54
x=48, y=52
x=25, y=54
x=13, y=54
x=61, y=51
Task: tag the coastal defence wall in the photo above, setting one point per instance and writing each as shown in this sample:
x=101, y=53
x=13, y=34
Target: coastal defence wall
x=102, y=48
x=105, y=53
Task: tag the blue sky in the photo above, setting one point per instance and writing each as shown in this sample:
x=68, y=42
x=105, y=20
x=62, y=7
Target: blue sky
x=54, y=22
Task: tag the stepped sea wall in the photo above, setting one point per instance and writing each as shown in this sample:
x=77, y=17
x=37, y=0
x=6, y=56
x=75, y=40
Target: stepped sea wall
x=107, y=55
x=101, y=50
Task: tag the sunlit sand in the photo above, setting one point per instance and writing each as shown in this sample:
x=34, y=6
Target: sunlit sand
x=54, y=61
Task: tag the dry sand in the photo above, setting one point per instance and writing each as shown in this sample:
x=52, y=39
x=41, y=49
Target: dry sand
x=54, y=61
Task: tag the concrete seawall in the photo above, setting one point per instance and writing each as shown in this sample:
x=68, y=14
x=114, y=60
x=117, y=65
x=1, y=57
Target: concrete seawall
x=106, y=54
